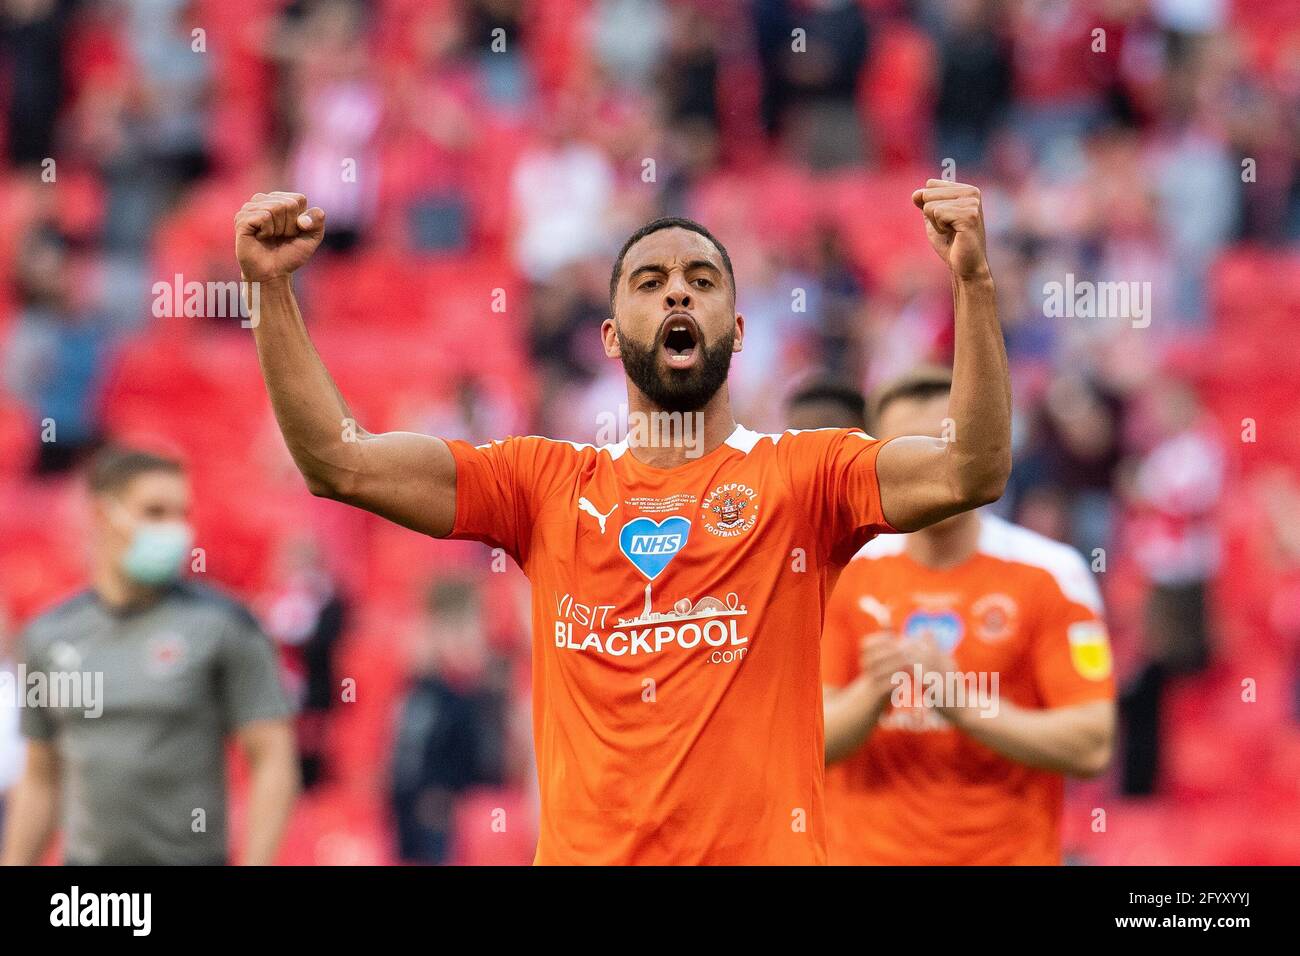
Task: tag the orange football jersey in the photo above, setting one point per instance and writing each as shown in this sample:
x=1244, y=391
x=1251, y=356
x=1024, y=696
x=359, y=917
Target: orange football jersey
x=1024, y=608
x=677, y=618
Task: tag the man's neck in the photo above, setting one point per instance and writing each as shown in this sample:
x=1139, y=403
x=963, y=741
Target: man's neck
x=663, y=439
x=946, y=544
x=119, y=592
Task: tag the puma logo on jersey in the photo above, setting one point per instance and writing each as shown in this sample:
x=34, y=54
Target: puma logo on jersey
x=876, y=608
x=586, y=506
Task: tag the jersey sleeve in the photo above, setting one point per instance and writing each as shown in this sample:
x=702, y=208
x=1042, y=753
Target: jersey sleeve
x=843, y=629
x=248, y=674
x=501, y=485
x=834, y=471
x=1071, y=646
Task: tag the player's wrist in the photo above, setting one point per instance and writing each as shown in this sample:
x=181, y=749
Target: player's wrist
x=964, y=715
x=877, y=694
x=268, y=281
x=979, y=277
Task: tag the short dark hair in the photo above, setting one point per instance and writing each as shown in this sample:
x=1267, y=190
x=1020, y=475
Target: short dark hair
x=655, y=225
x=831, y=391
x=113, y=468
x=923, y=382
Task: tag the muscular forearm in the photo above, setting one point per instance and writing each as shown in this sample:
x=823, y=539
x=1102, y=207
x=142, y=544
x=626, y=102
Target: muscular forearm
x=851, y=713
x=311, y=412
x=275, y=787
x=979, y=455
x=1075, y=740
x=29, y=821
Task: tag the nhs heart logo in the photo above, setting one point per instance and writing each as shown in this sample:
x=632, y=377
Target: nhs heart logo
x=944, y=626
x=651, y=545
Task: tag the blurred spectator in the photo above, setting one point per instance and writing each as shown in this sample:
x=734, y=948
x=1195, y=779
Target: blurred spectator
x=562, y=189
x=56, y=355
x=33, y=35
x=974, y=82
x=174, y=117
x=1281, y=502
x=495, y=31
x=565, y=314
x=689, y=73
x=812, y=53
x=629, y=37
x=437, y=135
x=776, y=335
x=307, y=614
x=335, y=114
x=1043, y=509
x=139, y=117
x=1178, y=484
x=1081, y=445
x=839, y=313
x=1176, y=489
x=1057, y=88
x=451, y=733
x=1200, y=214
x=476, y=408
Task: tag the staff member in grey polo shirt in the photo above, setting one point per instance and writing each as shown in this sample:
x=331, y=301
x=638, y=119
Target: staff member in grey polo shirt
x=137, y=764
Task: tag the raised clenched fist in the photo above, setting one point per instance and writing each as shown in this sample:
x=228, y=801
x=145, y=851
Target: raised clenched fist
x=275, y=233
x=954, y=224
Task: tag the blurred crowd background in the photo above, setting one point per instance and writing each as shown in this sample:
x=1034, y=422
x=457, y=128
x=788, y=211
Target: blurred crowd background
x=481, y=160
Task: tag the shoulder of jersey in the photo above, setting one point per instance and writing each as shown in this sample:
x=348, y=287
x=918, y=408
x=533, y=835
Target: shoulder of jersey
x=743, y=439
x=1009, y=542
x=746, y=440
x=225, y=604
x=60, y=613
x=558, y=445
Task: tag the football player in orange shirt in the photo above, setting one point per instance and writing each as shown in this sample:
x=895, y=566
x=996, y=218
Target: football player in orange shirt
x=678, y=585
x=967, y=669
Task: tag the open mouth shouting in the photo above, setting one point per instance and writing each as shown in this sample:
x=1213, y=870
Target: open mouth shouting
x=681, y=340
x=678, y=370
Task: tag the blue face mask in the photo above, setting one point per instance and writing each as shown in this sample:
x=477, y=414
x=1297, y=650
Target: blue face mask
x=156, y=551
